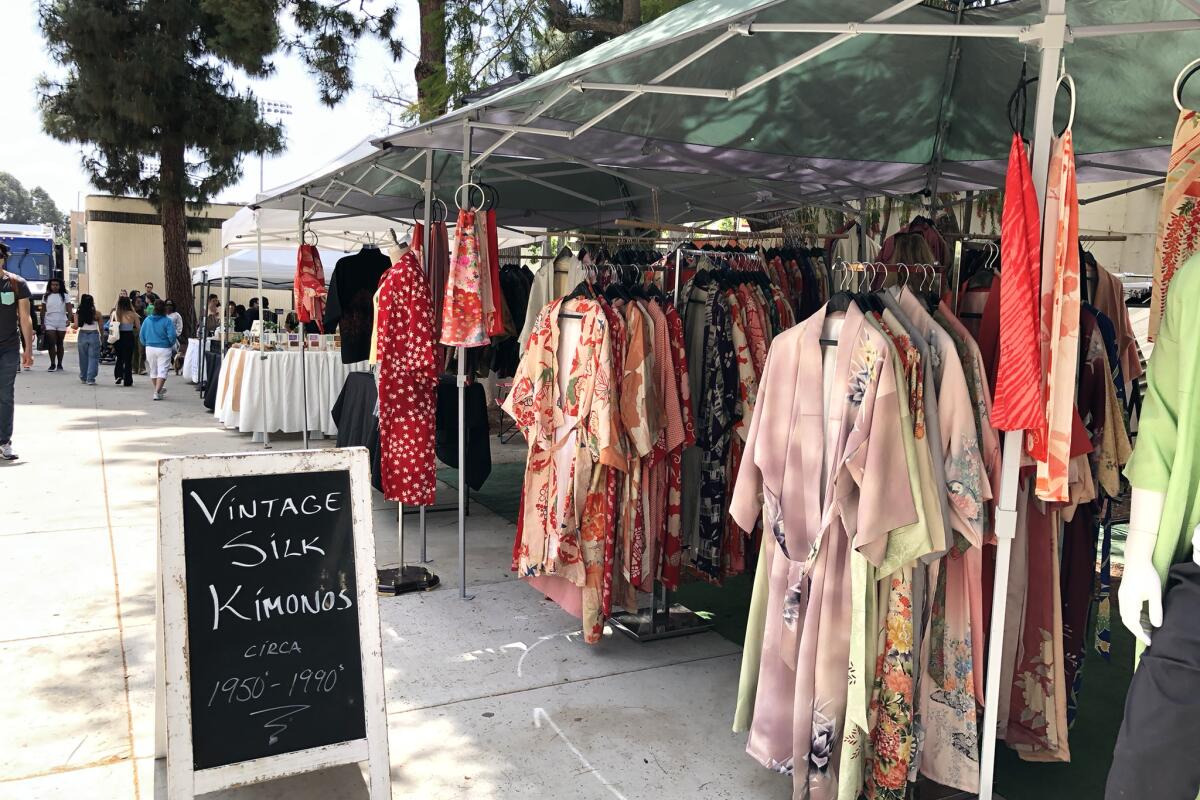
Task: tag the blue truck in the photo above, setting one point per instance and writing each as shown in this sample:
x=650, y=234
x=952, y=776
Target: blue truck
x=33, y=254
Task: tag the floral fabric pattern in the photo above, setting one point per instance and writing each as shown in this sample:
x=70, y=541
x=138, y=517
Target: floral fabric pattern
x=1179, y=219
x=463, y=323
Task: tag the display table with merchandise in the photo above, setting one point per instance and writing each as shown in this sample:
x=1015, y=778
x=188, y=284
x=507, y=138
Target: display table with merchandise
x=239, y=407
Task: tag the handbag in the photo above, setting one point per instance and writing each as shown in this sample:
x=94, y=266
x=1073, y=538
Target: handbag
x=41, y=341
x=114, y=330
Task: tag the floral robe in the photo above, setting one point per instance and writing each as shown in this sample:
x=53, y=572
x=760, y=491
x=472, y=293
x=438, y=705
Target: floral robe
x=827, y=470
x=638, y=418
x=949, y=689
x=568, y=423
x=717, y=414
x=670, y=567
x=463, y=323
x=1179, y=219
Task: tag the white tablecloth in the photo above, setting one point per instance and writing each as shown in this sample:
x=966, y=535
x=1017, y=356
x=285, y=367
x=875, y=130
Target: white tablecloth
x=238, y=404
x=191, y=360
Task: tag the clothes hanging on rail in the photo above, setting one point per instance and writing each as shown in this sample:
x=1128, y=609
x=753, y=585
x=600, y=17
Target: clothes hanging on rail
x=309, y=290
x=437, y=264
x=1019, y=401
x=349, y=308
x=463, y=309
x=408, y=378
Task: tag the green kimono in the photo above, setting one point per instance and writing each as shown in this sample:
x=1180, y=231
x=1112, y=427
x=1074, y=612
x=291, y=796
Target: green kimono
x=1165, y=459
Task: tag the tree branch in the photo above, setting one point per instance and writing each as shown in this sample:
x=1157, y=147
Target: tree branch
x=563, y=19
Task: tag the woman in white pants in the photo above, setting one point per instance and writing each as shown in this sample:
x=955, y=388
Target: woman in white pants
x=159, y=337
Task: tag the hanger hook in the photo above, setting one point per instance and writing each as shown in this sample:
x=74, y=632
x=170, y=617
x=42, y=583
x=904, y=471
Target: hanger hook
x=1181, y=79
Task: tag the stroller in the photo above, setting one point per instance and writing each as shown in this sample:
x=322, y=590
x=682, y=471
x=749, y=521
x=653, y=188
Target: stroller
x=108, y=353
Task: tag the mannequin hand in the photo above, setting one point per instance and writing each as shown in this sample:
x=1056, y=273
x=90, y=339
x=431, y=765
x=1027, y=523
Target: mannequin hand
x=1140, y=586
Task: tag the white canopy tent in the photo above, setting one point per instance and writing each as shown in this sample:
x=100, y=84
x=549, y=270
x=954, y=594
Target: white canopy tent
x=241, y=268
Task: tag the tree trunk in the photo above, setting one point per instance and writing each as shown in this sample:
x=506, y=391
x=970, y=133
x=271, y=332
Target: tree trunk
x=430, y=70
x=177, y=275
x=631, y=14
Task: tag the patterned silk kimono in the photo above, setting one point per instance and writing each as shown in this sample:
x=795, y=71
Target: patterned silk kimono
x=716, y=412
x=309, y=290
x=671, y=566
x=828, y=472
x=463, y=323
x=568, y=422
x=408, y=379
x=949, y=688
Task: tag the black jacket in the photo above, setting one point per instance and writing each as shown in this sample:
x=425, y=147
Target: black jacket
x=350, y=304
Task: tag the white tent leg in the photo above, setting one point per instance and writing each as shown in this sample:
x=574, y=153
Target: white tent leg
x=462, y=410
x=263, y=405
x=1006, y=511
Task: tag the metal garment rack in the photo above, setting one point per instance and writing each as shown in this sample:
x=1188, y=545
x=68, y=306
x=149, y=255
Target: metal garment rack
x=407, y=577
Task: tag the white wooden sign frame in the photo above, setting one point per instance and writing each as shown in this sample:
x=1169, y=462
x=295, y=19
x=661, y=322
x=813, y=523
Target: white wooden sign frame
x=173, y=692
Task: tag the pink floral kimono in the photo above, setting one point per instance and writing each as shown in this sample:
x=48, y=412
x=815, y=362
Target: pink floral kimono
x=827, y=470
x=951, y=682
x=463, y=323
x=568, y=423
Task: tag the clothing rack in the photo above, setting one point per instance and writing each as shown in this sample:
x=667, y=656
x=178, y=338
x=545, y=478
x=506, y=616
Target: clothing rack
x=995, y=237
x=663, y=619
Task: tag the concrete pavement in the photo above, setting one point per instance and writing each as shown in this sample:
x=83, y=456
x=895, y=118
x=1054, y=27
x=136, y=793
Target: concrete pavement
x=496, y=697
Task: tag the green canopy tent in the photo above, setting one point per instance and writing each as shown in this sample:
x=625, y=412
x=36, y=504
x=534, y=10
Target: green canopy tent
x=735, y=106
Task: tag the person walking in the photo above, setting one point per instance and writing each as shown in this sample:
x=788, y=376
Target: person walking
x=87, y=324
x=139, y=350
x=128, y=323
x=180, y=342
x=158, y=335
x=56, y=313
x=16, y=326
x=149, y=296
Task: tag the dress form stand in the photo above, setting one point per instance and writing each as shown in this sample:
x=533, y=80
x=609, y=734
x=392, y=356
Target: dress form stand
x=406, y=577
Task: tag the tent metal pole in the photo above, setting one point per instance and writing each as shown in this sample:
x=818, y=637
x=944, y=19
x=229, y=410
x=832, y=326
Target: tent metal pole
x=1119, y=192
x=303, y=345
x=538, y=110
x=662, y=76
x=942, y=130
x=1166, y=26
x=425, y=241
x=1006, y=509
x=896, y=29
x=809, y=55
x=462, y=413
x=263, y=405
x=203, y=330
x=224, y=305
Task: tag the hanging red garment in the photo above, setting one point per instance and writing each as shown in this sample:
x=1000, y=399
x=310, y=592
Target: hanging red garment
x=462, y=312
x=493, y=268
x=408, y=378
x=1018, y=396
x=1051, y=445
x=309, y=289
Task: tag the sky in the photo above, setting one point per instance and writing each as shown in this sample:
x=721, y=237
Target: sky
x=315, y=134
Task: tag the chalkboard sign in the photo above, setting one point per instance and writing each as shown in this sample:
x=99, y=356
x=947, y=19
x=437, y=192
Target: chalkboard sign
x=278, y=621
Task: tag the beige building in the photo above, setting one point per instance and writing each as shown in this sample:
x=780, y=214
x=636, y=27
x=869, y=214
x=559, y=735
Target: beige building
x=116, y=243
x=124, y=247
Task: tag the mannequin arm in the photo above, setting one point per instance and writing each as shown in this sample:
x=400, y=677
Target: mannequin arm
x=1140, y=585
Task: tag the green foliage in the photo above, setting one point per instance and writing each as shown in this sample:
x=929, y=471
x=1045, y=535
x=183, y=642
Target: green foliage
x=32, y=207
x=140, y=79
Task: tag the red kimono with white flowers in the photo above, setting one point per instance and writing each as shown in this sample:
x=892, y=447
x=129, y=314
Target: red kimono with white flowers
x=408, y=378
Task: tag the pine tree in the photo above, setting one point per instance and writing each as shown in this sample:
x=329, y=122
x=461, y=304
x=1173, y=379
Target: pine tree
x=146, y=87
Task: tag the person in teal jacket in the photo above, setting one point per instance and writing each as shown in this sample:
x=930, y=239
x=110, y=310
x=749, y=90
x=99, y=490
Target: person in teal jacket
x=158, y=336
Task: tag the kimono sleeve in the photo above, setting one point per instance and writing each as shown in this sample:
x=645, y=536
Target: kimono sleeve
x=1158, y=426
x=601, y=418
x=877, y=463
x=746, y=503
x=533, y=369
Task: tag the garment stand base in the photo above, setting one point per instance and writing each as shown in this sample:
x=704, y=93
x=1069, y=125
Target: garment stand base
x=923, y=793
x=647, y=626
x=402, y=580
